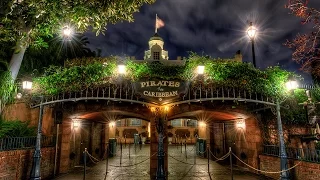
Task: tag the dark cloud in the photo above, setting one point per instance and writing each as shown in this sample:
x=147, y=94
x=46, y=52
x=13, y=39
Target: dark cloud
x=212, y=27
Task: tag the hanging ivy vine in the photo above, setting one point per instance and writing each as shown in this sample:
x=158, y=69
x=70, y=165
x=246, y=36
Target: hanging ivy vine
x=95, y=72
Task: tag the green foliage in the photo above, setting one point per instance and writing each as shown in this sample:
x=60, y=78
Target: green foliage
x=15, y=129
x=7, y=87
x=74, y=78
x=33, y=20
x=93, y=72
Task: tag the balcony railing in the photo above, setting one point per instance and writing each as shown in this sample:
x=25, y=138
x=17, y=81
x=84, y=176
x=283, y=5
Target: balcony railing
x=14, y=143
x=304, y=154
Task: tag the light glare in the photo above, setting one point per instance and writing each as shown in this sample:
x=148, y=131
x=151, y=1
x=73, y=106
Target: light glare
x=241, y=124
x=251, y=31
x=292, y=85
x=67, y=31
x=27, y=85
x=76, y=124
x=200, y=69
x=121, y=69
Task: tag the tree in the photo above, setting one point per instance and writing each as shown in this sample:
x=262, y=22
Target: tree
x=306, y=47
x=35, y=60
x=27, y=22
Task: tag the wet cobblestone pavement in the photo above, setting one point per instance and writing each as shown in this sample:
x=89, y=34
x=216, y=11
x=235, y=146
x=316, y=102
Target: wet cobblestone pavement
x=180, y=167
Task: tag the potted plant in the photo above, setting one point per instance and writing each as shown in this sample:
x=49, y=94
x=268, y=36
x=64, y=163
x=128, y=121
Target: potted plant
x=143, y=137
x=170, y=135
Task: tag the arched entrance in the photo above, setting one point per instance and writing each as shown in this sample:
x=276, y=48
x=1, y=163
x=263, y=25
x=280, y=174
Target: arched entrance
x=221, y=106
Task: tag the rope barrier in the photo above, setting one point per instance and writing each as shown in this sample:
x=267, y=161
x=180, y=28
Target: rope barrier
x=267, y=172
x=222, y=158
x=134, y=164
x=185, y=162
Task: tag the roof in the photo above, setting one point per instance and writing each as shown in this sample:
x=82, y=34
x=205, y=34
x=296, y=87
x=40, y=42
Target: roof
x=156, y=37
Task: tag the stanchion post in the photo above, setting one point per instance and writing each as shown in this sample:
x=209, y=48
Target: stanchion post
x=177, y=141
x=107, y=160
x=230, y=151
x=185, y=148
x=181, y=144
x=125, y=140
x=129, y=150
x=84, y=163
x=208, y=150
x=135, y=147
x=120, y=153
x=195, y=153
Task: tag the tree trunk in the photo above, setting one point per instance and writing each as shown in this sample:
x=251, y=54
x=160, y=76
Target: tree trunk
x=16, y=59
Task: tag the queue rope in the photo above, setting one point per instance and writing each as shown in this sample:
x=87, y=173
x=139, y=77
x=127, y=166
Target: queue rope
x=135, y=163
x=218, y=159
x=267, y=172
x=185, y=162
x=221, y=158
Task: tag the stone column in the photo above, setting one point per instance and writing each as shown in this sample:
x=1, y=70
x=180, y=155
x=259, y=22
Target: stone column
x=104, y=139
x=64, y=160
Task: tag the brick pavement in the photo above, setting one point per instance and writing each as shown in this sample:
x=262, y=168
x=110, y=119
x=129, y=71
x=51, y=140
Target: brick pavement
x=180, y=168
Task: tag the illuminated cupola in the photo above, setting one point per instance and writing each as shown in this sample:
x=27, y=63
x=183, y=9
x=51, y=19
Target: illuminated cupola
x=156, y=51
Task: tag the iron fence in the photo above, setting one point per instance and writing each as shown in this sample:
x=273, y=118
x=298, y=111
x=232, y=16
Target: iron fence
x=13, y=143
x=304, y=154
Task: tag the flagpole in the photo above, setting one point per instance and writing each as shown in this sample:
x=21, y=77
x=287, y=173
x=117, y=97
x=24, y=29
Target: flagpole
x=156, y=30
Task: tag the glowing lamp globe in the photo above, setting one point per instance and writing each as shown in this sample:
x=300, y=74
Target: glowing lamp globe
x=121, y=69
x=251, y=31
x=27, y=85
x=291, y=84
x=200, y=69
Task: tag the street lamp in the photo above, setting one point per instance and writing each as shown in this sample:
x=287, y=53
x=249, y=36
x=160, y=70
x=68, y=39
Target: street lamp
x=121, y=69
x=252, y=31
x=67, y=33
x=291, y=84
x=36, y=164
x=200, y=70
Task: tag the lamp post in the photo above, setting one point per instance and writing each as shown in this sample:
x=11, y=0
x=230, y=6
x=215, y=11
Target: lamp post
x=251, y=31
x=282, y=153
x=161, y=116
x=36, y=164
x=291, y=84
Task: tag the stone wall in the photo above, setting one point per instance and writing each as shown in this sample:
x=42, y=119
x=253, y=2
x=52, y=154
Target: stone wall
x=17, y=164
x=248, y=143
x=305, y=170
x=245, y=143
x=21, y=111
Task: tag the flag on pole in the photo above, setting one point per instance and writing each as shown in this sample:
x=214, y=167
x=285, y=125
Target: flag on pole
x=159, y=23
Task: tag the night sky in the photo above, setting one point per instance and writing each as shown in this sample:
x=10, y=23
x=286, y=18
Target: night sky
x=209, y=27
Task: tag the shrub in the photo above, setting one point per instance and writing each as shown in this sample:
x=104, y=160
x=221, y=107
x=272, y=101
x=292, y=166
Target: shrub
x=15, y=129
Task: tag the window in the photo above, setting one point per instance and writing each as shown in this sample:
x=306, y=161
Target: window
x=176, y=123
x=119, y=123
x=156, y=55
x=191, y=123
x=135, y=122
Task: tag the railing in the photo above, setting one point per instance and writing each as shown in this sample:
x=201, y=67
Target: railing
x=25, y=142
x=304, y=154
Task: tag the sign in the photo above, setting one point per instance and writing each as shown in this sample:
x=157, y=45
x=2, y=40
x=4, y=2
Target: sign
x=160, y=91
